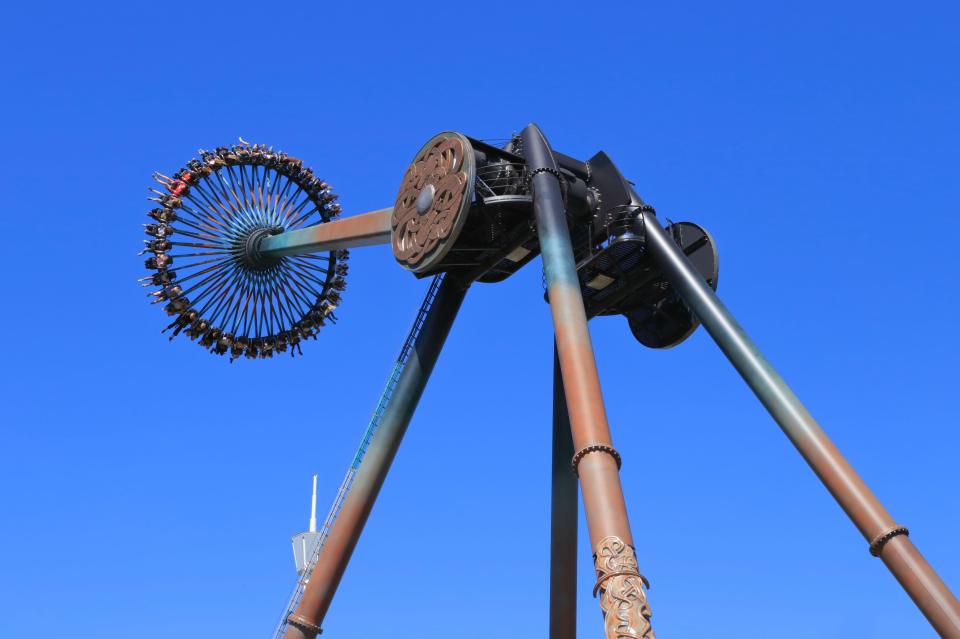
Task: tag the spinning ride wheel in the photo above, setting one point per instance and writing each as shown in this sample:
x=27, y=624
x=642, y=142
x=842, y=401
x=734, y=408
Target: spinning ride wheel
x=203, y=245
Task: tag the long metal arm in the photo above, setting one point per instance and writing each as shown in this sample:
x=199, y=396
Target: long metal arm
x=365, y=229
x=887, y=539
x=333, y=559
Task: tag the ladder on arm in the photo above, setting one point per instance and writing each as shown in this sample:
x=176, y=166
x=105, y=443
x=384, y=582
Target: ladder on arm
x=365, y=440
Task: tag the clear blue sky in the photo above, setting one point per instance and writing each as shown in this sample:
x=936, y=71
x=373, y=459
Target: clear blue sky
x=149, y=489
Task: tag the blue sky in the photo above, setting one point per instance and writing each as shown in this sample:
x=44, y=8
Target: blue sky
x=148, y=485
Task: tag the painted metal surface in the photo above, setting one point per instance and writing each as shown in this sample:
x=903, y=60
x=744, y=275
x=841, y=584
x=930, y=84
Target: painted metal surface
x=563, y=519
x=343, y=537
x=434, y=202
x=885, y=537
x=366, y=229
x=368, y=434
x=598, y=471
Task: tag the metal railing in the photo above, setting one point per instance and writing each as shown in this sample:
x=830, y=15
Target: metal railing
x=365, y=440
x=503, y=179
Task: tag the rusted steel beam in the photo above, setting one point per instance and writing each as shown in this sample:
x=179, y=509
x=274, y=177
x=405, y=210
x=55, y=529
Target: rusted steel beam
x=563, y=519
x=887, y=539
x=305, y=622
x=365, y=229
x=622, y=597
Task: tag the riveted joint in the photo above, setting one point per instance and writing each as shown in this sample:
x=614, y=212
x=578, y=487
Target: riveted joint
x=595, y=448
x=876, y=546
x=545, y=169
x=308, y=628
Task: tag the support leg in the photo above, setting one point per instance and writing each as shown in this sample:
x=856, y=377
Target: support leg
x=887, y=539
x=563, y=520
x=305, y=622
x=622, y=597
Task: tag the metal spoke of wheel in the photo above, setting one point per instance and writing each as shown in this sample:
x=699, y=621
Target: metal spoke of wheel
x=204, y=258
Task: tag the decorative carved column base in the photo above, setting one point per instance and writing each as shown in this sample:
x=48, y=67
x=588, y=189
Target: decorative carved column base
x=626, y=614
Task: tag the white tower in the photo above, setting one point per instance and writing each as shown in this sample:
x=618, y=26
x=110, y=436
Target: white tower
x=313, y=507
x=305, y=543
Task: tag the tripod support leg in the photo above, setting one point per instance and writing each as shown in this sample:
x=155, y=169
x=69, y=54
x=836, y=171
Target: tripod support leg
x=619, y=584
x=887, y=539
x=305, y=622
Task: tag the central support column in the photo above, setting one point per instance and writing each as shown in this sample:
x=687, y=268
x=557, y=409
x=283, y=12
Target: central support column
x=305, y=622
x=619, y=584
x=563, y=519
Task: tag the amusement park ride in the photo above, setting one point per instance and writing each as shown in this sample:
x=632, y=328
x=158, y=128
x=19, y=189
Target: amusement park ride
x=249, y=257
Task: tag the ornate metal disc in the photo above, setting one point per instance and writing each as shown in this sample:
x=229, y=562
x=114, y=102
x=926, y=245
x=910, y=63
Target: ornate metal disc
x=433, y=203
x=223, y=294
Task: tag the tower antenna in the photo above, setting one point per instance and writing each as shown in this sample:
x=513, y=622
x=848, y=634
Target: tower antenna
x=313, y=507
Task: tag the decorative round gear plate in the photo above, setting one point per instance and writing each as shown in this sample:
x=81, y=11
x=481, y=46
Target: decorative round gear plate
x=434, y=202
x=211, y=216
